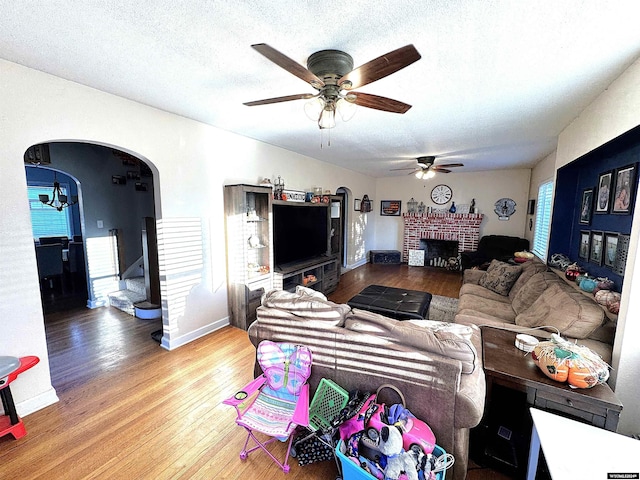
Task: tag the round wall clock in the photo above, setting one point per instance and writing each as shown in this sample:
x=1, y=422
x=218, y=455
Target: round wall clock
x=441, y=194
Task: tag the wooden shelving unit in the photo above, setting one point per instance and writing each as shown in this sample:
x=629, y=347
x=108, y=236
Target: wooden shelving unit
x=324, y=270
x=249, y=250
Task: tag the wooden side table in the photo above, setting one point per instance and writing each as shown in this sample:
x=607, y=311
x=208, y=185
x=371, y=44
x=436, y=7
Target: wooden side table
x=506, y=365
x=514, y=384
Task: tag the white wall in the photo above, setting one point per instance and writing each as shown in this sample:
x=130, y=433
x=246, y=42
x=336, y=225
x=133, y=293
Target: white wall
x=193, y=161
x=614, y=112
x=485, y=187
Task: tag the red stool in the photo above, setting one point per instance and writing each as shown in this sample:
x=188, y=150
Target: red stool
x=10, y=368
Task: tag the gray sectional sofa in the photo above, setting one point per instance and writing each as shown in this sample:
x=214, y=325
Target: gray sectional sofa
x=537, y=297
x=436, y=366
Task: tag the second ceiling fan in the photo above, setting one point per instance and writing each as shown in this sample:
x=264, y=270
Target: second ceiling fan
x=332, y=74
x=425, y=168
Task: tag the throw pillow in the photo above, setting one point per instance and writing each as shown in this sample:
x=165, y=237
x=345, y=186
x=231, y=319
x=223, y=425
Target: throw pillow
x=500, y=277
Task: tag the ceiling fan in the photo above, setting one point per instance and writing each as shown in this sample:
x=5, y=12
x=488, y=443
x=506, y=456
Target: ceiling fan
x=425, y=167
x=332, y=74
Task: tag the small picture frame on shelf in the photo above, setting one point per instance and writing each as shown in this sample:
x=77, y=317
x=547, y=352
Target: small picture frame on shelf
x=623, y=191
x=603, y=198
x=610, y=248
x=586, y=206
x=597, y=247
x=356, y=204
x=585, y=244
x=390, y=208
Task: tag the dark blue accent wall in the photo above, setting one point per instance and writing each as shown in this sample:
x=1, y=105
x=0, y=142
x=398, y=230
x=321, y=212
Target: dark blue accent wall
x=572, y=180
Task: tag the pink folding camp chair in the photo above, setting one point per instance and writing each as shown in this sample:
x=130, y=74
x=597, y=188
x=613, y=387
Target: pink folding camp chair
x=278, y=400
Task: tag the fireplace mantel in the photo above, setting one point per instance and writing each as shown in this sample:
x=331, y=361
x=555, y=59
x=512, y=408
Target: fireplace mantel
x=463, y=227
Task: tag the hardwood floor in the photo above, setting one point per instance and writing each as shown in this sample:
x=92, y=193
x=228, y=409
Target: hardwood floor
x=129, y=409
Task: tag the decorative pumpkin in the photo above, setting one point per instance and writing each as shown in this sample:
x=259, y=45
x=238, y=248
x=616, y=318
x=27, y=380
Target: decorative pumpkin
x=588, y=285
x=563, y=361
x=605, y=297
x=559, y=261
x=571, y=274
x=581, y=277
x=605, y=283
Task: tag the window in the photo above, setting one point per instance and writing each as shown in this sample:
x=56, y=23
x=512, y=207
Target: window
x=543, y=220
x=45, y=220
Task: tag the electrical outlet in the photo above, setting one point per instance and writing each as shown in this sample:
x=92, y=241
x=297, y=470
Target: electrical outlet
x=100, y=224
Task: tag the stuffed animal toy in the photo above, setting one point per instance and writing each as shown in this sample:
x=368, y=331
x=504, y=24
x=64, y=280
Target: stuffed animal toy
x=398, y=460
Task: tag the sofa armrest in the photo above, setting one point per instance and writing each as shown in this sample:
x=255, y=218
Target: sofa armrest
x=472, y=276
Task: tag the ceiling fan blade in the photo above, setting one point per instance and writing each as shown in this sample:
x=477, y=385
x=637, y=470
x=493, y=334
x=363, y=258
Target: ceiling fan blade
x=288, y=64
x=449, y=165
x=300, y=96
x=380, y=67
x=405, y=168
x=440, y=170
x=379, y=103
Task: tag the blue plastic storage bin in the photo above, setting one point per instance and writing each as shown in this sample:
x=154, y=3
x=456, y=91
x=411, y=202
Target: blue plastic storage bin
x=353, y=471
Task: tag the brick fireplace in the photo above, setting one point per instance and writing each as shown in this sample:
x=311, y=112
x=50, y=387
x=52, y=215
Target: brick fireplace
x=461, y=227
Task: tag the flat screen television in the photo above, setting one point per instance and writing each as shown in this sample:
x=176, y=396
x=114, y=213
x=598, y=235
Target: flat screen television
x=300, y=232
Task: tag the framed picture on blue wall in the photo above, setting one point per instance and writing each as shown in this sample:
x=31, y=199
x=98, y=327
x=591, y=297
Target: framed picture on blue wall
x=585, y=244
x=586, y=207
x=597, y=247
x=623, y=192
x=610, y=248
x=603, y=198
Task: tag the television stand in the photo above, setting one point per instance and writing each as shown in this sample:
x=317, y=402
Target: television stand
x=324, y=269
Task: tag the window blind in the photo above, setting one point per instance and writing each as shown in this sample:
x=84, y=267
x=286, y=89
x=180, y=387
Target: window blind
x=543, y=220
x=45, y=220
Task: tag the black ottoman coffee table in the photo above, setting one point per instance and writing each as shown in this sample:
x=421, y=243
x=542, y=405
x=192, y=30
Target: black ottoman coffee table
x=393, y=302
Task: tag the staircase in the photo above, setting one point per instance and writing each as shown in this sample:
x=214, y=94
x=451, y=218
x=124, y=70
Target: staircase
x=133, y=293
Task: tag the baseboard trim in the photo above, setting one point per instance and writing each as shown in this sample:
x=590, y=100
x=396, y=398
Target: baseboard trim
x=96, y=304
x=191, y=336
x=36, y=403
x=359, y=263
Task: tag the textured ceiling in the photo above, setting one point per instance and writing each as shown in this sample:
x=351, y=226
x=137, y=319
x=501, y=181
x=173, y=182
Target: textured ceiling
x=497, y=82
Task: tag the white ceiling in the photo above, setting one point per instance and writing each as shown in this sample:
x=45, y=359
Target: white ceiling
x=497, y=82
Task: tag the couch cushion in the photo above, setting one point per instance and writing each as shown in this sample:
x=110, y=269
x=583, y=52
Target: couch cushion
x=500, y=277
x=306, y=307
x=463, y=331
x=531, y=290
x=478, y=291
x=529, y=269
x=445, y=342
x=572, y=313
x=488, y=306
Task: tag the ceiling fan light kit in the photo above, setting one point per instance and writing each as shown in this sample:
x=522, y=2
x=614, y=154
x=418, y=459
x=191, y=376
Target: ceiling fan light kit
x=426, y=168
x=331, y=72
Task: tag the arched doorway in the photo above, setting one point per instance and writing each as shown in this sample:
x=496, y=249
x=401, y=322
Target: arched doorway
x=346, y=221
x=110, y=207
